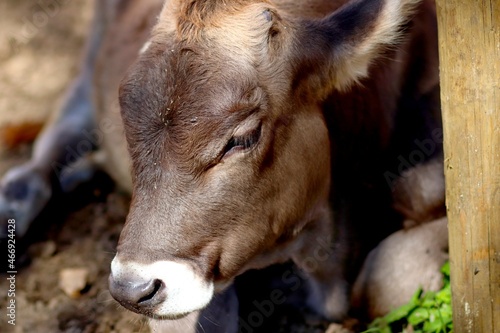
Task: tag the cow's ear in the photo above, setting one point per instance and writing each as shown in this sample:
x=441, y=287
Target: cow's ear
x=335, y=52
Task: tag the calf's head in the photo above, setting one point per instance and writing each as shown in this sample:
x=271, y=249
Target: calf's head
x=229, y=148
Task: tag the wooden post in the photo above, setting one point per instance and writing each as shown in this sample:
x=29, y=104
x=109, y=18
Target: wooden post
x=469, y=46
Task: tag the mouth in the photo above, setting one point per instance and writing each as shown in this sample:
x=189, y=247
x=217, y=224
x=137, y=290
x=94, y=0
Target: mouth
x=154, y=312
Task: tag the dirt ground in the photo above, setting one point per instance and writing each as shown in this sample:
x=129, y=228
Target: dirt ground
x=40, y=45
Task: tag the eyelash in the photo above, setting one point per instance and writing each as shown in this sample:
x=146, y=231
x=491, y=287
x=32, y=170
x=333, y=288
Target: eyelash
x=242, y=142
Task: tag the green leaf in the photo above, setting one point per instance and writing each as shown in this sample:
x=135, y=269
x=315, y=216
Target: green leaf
x=400, y=313
x=444, y=295
x=386, y=330
x=428, y=301
x=433, y=326
x=415, y=299
x=381, y=327
x=418, y=316
x=446, y=312
x=435, y=322
x=446, y=269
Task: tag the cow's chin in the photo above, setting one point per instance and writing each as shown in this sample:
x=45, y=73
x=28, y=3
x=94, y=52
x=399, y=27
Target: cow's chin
x=163, y=290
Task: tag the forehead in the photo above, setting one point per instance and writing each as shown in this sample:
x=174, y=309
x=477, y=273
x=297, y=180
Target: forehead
x=202, y=61
x=200, y=57
x=187, y=80
x=238, y=27
x=174, y=86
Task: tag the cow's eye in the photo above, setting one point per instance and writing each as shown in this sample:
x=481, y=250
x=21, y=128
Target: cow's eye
x=243, y=142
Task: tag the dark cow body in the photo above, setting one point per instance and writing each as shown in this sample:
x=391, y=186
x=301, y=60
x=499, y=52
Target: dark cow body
x=257, y=132
x=374, y=125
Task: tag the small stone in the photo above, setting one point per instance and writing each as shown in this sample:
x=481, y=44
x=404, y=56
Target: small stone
x=73, y=280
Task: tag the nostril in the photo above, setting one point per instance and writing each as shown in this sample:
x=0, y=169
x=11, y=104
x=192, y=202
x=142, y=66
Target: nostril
x=136, y=296
x=151, y=291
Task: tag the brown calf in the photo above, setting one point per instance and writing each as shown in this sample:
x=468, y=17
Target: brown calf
x=238, y=162
x=258, y=132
